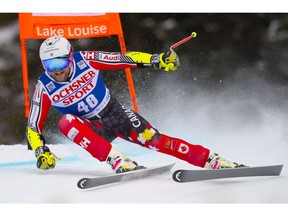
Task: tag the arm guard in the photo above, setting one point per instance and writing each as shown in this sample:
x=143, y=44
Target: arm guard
x=140, y=58
x=34, y=138
x=45, y=159
x=115, y=60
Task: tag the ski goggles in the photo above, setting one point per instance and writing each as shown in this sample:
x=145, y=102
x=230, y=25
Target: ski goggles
x=52, y=64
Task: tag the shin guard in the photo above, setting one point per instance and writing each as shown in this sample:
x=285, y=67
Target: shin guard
x=193, y=154
x=79, y=131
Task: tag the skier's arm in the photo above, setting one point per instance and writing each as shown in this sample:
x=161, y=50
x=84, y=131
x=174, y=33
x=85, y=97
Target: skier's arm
x=107, y=61
x=40, y=105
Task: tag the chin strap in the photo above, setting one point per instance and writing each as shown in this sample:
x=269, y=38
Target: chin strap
x=71, y=72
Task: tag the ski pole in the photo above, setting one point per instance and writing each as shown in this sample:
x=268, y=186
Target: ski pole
x=193, y=35
x=56, y=157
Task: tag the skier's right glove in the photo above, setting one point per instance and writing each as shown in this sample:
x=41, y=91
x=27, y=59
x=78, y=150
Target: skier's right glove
x=167, y=61
x=45, y=159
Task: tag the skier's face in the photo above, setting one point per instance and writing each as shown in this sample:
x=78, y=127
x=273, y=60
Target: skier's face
x=60, y=75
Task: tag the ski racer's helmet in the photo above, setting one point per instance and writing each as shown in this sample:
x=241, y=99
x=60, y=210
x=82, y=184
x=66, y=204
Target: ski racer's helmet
x=56, y=53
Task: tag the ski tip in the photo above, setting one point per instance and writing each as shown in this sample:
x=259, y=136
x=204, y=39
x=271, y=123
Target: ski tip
x=171, y=165
x=279, y=167
x=82, y=183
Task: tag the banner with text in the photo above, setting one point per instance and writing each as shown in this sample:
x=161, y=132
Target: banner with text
x=34, y=25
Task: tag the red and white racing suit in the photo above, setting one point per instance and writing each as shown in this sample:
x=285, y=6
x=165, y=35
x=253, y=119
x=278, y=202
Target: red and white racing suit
x=92, y=118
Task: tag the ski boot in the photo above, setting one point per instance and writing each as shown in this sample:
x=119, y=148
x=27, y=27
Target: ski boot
x=214, y=161
x=120, y=163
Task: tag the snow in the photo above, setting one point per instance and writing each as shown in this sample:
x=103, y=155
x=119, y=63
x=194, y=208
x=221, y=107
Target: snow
x=23, y=183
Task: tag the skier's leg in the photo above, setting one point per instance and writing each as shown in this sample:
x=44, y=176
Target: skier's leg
x=192, y=153
x=131, y=126
x=80, y=131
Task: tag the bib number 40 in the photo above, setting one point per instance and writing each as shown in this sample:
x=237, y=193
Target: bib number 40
x=89, y=103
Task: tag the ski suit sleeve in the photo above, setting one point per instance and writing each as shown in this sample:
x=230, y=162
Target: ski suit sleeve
x=40, y=105
x=115, y=60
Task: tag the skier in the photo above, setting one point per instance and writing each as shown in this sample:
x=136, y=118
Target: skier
x=92, y=117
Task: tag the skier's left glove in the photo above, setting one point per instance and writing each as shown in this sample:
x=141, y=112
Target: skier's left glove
x=167, y=61
x=45, y=159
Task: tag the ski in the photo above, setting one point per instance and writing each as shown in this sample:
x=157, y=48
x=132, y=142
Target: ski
x=85, y=183
x=200, y=175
